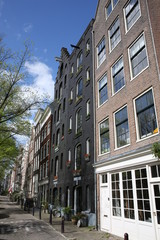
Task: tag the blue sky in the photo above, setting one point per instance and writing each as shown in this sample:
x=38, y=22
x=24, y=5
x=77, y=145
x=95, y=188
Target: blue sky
x=51, y=25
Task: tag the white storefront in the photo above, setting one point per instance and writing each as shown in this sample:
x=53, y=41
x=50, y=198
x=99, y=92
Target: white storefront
x=130, y=196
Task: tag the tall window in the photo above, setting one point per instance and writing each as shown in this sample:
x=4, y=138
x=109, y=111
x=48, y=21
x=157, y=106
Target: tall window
x=62, y=130
x=78, y=153
x=88, y=107
x=56, y=167
x=64, y=104
x=61, y=163
x=111, y=4
x=88, y=74
x=58, y=137
x=70, y=122
x=49, y=127
x=132, y=13
x=118, y=75
x=101, y=52
x=143, y=202
x=138, y=56
x=79, y=88
x=59, y=113
x=116, y=197
x=122, y=129
x=128, y=199
x=60, y=91
x=88, y=46
x=79, y=61
x=114, y=34
x=104, y=137
x=103, y=93
x=146, y=117
x=69, y=155
x=71, y=94
x=88, y=146
x=47, y=169
x=79, y=120
x=72, y=69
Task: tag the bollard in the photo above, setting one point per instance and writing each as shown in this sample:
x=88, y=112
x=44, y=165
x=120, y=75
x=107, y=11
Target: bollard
x=40, y=213
x=62, y=225
x=33, y=211
x=50, y=220
x=126, y=237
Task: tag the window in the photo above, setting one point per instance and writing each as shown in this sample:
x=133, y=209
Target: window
x=78, y=157
x=79, y=121
x=88, y=46
x=79, y=88
x=132, y=13
x=88, y=146
x=103, y=93
x=69, y=155
x=61, y=70
x=143, y=201
x=65, y=81
x=138, y=56
x=155, y=171
x=62, y=131
x=64, y=104
x=72, y=69
x=104, y=178
x=118, y=75
x=88, y=107
x=52, y=166
x=122, y=129
x=116, y=197
x=60, y=91
x=45, y=150
x=128, y=199
x=61, y=163
x=104, y=137
x=110, y=6
x=47, y=147
x=54, y=116
x=47, y=169
x=71, y=94
x=49, y=127
x=101, y=52
x=88, y=74
x=114, y=34
x=79, y=61
x=56, y=168
x=70, y=122
x=42, y=153
x=59, y=113
x=58, y=137
x=145, y=115
x=88, y=198
x=40, y=177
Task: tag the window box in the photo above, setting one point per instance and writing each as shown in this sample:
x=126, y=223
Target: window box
x=87, y=157
x=76, y=172
x=68, y=163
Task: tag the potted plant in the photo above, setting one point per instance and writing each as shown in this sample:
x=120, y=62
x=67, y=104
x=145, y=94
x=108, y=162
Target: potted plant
x=74, y=219
x=67, y=213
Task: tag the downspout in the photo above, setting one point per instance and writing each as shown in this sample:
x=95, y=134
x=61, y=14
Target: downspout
x=94, y=124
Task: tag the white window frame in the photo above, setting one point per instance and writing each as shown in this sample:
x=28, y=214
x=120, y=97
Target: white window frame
x=69, y=155
x=99, y=127
x=103, y=50
x=88, y=103
x=70, y=122
x=125, y=20
x=113, y=92
x=136, y=119
x=119, y=29
x=88, y=146
x=113, y=6
x=105, y=75
x=88, y=74
x=130, y=62
x=79, y=60
x=115, y=130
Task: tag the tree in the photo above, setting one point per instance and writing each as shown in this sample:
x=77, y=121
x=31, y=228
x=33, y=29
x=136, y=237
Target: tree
x=156, y=149
x=16, y=101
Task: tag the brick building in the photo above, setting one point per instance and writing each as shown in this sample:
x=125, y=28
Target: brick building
x=127, y=90
x=72, y=174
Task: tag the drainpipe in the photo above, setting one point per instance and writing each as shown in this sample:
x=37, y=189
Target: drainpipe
x=94, y=124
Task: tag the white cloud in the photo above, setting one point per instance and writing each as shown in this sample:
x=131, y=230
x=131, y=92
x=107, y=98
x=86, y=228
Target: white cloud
x=22, y=139
x=43, y=82
x=27, y=27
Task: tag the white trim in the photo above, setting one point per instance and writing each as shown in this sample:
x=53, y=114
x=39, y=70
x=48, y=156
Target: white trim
x=105, y=74
x=99, y=150
x=125, y=22
x=135, y=115
x=130, y=65
x=109, y=39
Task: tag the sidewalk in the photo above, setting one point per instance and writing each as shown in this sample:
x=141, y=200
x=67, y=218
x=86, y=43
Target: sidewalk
x=72, y=232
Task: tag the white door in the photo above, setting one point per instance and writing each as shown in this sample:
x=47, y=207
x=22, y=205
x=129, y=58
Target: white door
x=104, y=208
x=156, y=207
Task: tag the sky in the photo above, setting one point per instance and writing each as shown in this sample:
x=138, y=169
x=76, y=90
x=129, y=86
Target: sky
x=50, y=25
